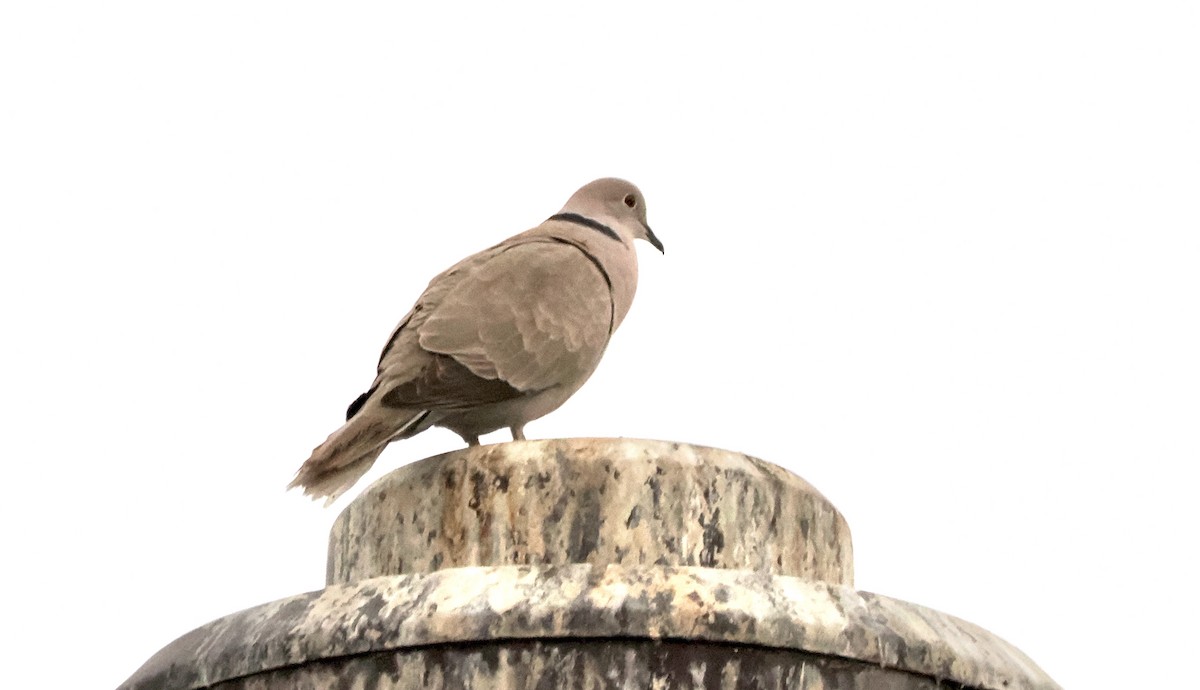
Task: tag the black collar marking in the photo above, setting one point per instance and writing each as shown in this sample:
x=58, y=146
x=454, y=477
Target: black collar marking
x=587, y=223
x=612, y=307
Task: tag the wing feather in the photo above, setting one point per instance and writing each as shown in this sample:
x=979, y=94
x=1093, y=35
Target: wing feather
x=535, y=315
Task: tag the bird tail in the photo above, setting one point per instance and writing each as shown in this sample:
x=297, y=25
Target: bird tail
x=349, y=452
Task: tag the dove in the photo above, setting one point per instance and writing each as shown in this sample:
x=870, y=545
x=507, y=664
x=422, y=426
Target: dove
x=501, y=338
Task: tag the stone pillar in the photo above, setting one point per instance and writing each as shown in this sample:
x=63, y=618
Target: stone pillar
x=589, y=563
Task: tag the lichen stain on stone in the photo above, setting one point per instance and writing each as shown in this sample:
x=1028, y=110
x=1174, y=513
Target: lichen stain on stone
x=586, y=525
x=635, y=517
x=655, y=495
x=712, y=538
x=559, y=510
x=478, y=490
x=371, y=607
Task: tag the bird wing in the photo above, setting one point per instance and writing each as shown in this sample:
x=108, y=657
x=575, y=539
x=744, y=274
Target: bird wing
x=536, y=314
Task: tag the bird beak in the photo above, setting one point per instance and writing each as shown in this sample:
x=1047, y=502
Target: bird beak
x=653, y=239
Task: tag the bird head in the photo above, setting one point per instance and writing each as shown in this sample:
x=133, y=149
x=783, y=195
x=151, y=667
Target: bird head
x=614, y=201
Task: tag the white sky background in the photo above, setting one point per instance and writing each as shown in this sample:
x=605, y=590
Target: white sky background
x=940, y=259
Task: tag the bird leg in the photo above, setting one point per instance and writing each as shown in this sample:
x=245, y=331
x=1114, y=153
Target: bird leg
x=518, y=432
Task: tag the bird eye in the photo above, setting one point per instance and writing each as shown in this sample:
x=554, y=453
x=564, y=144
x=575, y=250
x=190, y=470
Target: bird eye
x=630, y=200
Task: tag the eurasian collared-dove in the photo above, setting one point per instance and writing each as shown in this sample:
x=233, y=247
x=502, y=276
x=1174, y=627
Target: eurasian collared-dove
x=501, y=338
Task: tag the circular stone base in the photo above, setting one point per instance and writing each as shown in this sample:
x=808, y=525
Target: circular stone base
x=388, y=628
x=597, y=501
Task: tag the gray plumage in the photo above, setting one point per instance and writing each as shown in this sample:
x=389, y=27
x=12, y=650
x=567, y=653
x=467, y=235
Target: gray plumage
x=501, y=338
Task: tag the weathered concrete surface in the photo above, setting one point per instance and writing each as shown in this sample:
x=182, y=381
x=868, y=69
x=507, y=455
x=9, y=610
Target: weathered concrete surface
x=598, y=501
x=395, y=615
x=591, y=665
x=589, y=563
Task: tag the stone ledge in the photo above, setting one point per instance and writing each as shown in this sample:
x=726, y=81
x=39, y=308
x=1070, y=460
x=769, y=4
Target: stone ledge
x=590, y=602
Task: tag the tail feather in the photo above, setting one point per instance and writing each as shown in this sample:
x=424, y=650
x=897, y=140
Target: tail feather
x=349, y=452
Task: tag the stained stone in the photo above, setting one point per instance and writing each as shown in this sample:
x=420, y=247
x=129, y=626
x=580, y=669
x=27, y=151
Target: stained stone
x=593, y=501
x=590, y=664
x=582, y=601
x=589, y=563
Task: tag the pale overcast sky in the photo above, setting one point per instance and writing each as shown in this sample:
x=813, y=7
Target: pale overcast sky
x=941, y=259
